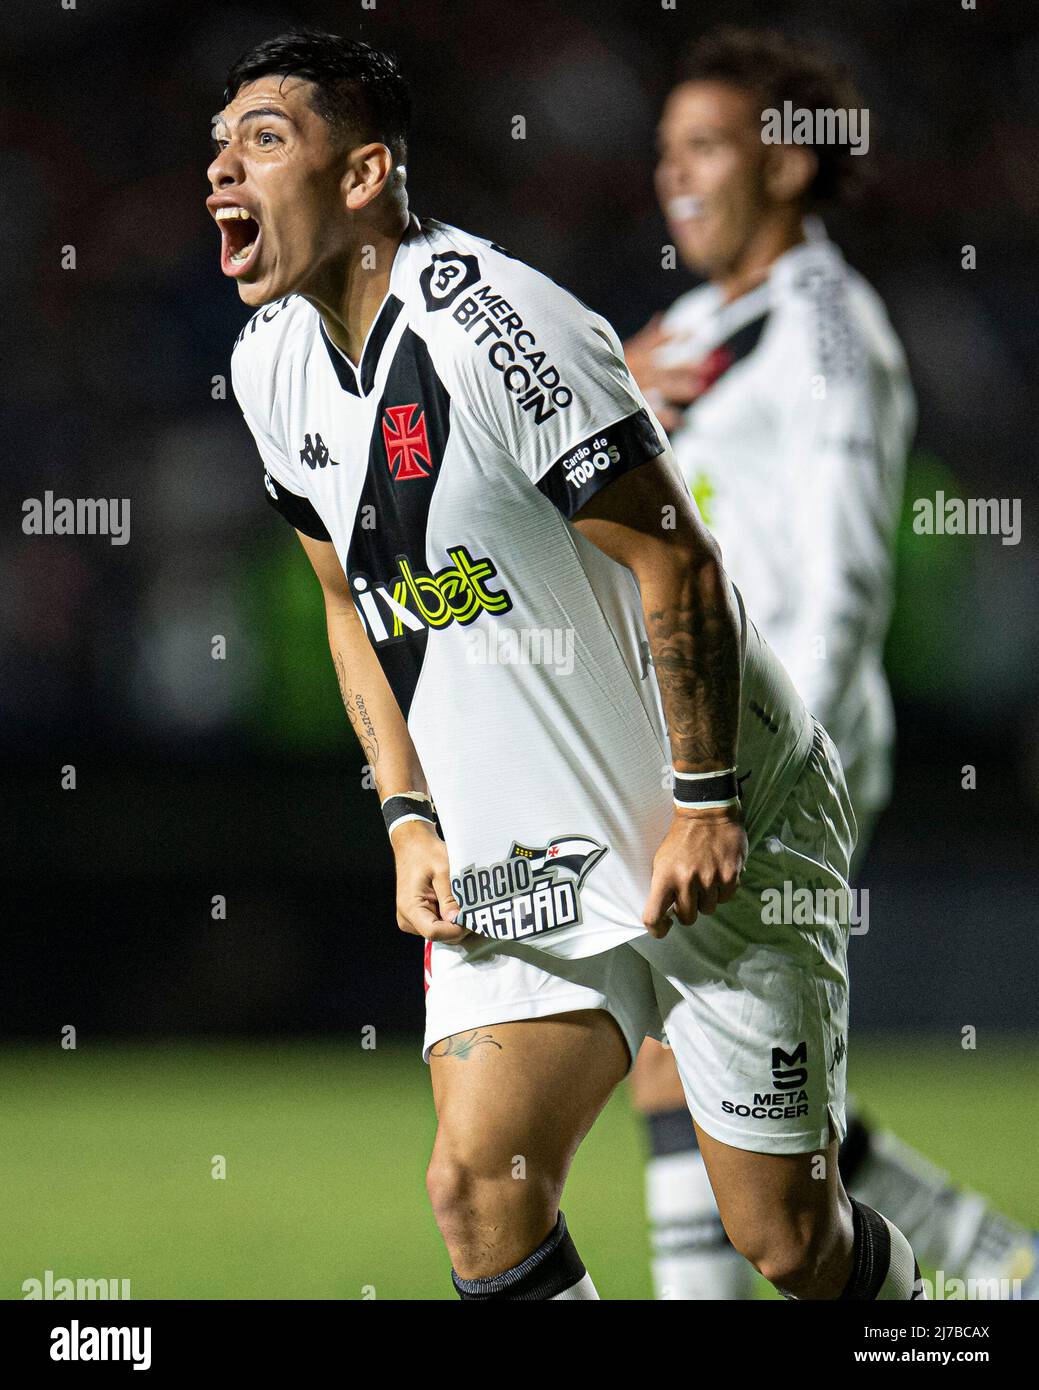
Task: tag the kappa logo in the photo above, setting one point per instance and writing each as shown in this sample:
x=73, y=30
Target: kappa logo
x=446, y=276
x=315, y=453
x=532, y=890
x=407, y=442
x=840, y=1051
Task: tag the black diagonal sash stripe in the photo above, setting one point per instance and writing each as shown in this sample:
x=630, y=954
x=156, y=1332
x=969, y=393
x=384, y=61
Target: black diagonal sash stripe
x=377, y=340
x=400, y=506
x=733, y=349
x=342, y=368
x=743, y=342
x=359, y=382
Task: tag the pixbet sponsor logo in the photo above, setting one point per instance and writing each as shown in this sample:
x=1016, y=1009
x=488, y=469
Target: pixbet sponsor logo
x=414, y=600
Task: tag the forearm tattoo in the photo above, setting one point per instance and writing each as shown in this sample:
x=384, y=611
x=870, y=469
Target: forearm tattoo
x=357, y=713
x=696, y=656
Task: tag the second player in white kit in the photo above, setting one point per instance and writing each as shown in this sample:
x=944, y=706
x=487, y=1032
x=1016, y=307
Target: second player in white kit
x=786, y=394
x=796, y=453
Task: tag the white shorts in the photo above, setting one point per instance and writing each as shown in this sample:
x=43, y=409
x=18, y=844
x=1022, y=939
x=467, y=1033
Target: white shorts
x=753, y=999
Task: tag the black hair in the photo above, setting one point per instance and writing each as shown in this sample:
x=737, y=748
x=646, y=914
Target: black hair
x=773, y=69
x=359, y=90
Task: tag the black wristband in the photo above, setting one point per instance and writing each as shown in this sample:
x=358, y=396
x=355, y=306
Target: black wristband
x=397, y=809
x=706, y=789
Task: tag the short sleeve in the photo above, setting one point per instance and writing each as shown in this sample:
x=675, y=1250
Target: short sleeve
x=282, y=487
x=547, y=379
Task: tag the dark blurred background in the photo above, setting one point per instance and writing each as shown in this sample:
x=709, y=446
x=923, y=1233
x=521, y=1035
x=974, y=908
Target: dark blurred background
x=239, y=777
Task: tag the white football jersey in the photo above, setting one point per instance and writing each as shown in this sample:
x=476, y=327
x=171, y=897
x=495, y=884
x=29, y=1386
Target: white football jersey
x=795, y=453
x=487, y=407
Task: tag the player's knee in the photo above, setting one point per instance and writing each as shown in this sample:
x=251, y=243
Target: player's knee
x=467, y=1195
x=788, y=1249
x=448, y=1184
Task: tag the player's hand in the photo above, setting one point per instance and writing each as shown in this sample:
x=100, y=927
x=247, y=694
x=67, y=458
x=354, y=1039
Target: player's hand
x=426, y=905
x=697, y=867
x=667, y=389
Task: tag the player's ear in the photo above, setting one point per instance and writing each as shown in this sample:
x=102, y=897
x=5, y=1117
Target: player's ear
x=368, y=167
x=789, y=171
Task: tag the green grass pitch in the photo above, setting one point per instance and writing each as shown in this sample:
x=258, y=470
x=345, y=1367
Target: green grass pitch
x=105, y=1163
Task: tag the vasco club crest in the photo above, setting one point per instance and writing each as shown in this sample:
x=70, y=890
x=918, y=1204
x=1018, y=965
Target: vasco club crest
x=532, y=890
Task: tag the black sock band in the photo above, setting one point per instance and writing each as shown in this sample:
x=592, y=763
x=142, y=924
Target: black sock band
x=871, y=1256
x=554, y=1267
x=671, y=1132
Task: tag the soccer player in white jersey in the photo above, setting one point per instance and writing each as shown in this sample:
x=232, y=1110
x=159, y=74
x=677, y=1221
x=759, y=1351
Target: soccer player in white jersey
x=469, y=466
x=790, y=411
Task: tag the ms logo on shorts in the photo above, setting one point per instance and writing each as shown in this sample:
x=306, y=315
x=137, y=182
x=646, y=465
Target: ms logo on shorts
x=446, y=276
x=789, y=1101
x=789, y=1069
x=532, y=890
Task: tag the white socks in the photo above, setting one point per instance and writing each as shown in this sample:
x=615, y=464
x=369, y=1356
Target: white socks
x=692, y=1257
x=584, y=1288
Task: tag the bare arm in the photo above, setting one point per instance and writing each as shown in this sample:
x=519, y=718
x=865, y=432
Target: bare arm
x=370, y=703
x=644, y=520
x=425, y=905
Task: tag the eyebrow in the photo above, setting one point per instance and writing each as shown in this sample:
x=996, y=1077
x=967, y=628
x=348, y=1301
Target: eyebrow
x=257, y=111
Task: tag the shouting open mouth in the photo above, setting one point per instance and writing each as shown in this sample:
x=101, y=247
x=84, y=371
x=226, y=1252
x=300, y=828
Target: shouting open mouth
x=241, y=236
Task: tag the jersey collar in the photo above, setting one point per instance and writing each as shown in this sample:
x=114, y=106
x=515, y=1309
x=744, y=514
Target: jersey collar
x=816, y=251
x=360, y=380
